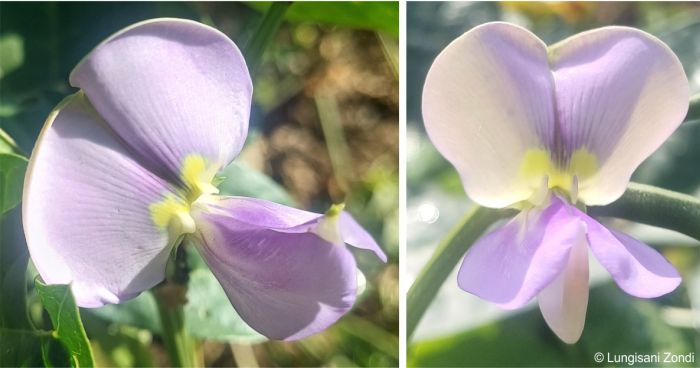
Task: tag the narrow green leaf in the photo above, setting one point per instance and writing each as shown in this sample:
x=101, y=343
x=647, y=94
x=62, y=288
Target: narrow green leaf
x=262, y=37
x=448, y=253
x=68, y=328
x=7, y=144
x=370, y=15
x=12, y=168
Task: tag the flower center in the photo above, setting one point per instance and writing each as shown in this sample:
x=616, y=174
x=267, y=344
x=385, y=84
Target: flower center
x=544, y=174
x=328, y=227
x=172, y=213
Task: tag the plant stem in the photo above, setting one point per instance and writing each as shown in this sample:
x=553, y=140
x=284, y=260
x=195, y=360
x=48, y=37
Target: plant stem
x=657, y=207
x=448, y=253
x=257, y=44
x=171, y=299
x=177, y=341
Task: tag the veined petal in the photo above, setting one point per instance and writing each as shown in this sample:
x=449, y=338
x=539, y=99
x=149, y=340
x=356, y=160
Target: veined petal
x=86, y=210
x=172, y=89
x=564, y=301
x=488, y=100
x=512, y=264
x=620, y=93
x=284, y=284
x=637, y=268
x=274, y=216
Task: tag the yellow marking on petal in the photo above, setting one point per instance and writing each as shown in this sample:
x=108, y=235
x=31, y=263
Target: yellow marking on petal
x=537, y=164
x=173, y=215
x=198, y=176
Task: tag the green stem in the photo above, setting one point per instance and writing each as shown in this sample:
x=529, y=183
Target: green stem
x=171, y=299
x=444, y=260
x=693, y=108
x=657, y=207
x=257, y=44
x=177, y=341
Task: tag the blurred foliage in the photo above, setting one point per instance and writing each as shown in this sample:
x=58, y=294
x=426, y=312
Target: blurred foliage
x=342, y=54
x=380, y=16
x=468, y=335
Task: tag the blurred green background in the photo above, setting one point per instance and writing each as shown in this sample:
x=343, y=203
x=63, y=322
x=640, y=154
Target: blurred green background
x=461, y=330
x=324, y=129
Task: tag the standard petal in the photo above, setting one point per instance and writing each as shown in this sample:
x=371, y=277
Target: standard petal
x=512, y=264
x=86, y=210
x=285, y=285
x=620, y=93
x=564, y=302
x=171, y=88
x=637, y=268
x=488, y=99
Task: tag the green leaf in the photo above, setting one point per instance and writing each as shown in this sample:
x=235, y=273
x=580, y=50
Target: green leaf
x=615, y=323
x=264, y=34
x=12, y=168
x=240, y=180
x=68, y=328
x=379, y=16
x=209, y=314
x=19, y=348
x=7, y=144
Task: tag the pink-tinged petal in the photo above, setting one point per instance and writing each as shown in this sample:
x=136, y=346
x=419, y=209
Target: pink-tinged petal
x=355, y=235
x=564, y=302
x=86, y=210
x=637, y=268
x=512, y=264
x=488, y=99
x=170, y=88
x=285, y=285
x=620, y=94
x=281, y=218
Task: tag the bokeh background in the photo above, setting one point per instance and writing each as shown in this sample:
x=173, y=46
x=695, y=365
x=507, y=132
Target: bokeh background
x=461, y=330
x=324, y=129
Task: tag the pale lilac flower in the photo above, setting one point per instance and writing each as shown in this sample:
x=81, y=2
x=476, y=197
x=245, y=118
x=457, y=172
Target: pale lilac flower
x=123, y=170
x=545, y=129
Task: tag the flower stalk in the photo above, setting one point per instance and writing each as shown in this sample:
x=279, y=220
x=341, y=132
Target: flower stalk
x=171, y=299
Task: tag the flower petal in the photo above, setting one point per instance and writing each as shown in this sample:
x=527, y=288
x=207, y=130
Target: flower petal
x=512, y=264
x=637, y=269
x=564, y=302
x=170, y=88
x=355, y=235
x=86, y=210
x=620, y=93
x=274, y=216
x=285, y=285
x=488, y=99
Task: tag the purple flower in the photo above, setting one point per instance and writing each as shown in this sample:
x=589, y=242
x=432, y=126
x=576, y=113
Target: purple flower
x=123, y=170
x=549, y=130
